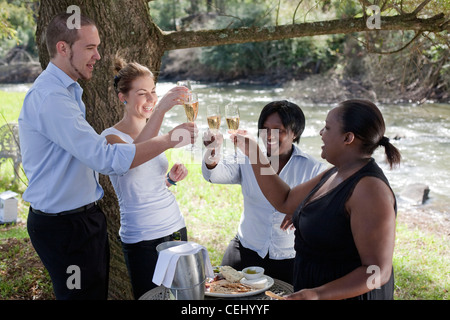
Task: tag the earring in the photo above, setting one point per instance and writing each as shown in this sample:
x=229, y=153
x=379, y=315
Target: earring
x=125, y=102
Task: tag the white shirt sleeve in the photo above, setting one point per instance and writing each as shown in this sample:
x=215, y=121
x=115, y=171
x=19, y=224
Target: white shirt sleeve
x=223, y=173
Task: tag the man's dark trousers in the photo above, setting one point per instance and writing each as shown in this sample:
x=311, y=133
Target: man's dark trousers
x=75, y=250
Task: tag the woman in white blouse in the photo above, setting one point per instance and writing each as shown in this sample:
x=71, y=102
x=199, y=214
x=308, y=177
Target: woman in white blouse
x=259, y=240
x=149, y=212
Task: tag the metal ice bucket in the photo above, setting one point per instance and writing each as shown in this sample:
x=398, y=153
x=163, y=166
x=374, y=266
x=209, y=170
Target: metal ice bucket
x=189, y=278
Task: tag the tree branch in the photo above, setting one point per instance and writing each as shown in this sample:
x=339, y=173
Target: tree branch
x=295, y=11
x=420, y=7
x=398, y=50
x=204, y=38
x=444, y=26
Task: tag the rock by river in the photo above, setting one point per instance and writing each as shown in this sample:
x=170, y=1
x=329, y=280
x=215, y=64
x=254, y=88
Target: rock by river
x=416, y=193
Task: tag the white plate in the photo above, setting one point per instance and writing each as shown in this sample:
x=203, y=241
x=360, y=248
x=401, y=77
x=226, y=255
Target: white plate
x=243, y=294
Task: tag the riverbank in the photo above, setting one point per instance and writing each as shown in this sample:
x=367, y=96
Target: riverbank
x=427, y=220
x=327, y=88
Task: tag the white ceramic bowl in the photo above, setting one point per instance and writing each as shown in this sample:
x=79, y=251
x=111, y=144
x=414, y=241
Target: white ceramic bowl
x=251, y=273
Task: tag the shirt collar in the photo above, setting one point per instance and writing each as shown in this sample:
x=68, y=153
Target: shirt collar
x=61, y=75
x=297, y=152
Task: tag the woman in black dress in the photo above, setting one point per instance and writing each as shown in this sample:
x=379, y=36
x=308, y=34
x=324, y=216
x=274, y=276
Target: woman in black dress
x=345, y=217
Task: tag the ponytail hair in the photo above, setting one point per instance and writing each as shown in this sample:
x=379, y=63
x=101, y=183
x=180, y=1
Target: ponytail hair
x=365, y=120
x=126, y=73
x=393, y=156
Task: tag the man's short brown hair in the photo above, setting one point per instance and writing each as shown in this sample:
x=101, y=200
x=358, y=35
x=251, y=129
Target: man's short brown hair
x=57, y=30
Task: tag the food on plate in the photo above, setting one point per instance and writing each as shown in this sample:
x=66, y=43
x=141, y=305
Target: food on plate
x=255, y=283
x=231, y=274
x=231, y=281
x=225, y=286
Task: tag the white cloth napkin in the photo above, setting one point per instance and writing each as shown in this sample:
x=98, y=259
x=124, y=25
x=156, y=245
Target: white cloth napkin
x=168, y=258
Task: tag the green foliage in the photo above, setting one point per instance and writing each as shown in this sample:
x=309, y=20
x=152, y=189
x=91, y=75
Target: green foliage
x=17, y=26
x=347, y=9
x=299, y=54
x=292, y=55
x=6, y=30
x=164, y=14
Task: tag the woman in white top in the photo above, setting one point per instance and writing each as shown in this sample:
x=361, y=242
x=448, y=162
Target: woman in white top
x=259, y=240
x=149, y=213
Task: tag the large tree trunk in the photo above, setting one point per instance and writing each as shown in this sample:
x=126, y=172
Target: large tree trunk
x=123, y=25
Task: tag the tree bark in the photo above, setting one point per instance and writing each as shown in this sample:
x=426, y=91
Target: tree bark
x=126, y=25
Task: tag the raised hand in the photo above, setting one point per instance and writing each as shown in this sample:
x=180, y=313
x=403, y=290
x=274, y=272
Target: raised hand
x=213, y=141
x=175, y=96
x=245, y=142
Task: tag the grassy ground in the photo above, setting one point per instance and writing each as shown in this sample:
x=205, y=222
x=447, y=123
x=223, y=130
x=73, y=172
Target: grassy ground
x=10, y=106
x=421, y=264
x=212, y=212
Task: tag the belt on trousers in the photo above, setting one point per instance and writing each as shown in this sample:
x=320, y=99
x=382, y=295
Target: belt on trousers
x=65, y=213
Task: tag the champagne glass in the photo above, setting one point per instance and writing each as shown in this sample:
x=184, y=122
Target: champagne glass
x=232, y=117
x=191, y=110
x=191, y=106
x=213, y=118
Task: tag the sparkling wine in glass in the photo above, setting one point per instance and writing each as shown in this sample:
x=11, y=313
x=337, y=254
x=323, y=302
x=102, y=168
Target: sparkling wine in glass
x=191, y=110
x=191, y=106
x=213, y=116
x=232, y=117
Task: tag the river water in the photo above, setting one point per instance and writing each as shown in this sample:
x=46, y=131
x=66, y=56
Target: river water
x=424, y=131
